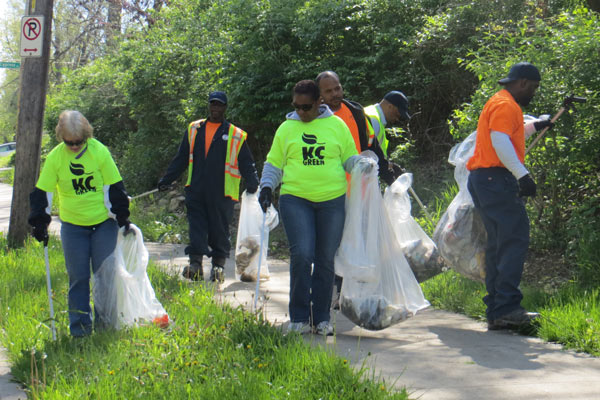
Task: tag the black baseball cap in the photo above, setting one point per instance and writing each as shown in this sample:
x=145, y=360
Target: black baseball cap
x=221, y=97
x=522, y=70
x=400, y=101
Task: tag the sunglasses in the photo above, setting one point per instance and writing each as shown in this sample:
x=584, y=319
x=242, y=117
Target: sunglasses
x=73, y=144
x=303, y=107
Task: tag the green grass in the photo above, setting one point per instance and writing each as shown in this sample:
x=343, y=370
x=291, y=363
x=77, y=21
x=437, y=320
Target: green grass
x=570, y=316
x=210, y=351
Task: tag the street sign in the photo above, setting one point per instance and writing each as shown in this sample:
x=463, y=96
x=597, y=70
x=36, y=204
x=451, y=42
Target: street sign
x=32, y=28
x=9, y=64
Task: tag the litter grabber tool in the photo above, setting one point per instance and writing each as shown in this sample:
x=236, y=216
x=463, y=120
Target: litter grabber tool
x=49, y=287
x=568, y=103
x=262, y=237
x=144, y=194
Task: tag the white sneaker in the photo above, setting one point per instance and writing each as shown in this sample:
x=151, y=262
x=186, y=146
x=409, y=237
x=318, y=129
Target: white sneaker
x=324, y=328
x=300, y=327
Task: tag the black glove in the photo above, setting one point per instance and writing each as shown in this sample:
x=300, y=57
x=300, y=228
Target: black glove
x=40, y=232
x=124, y=222
x=526, y=186
x=163, y=187
x=265, y=198
x=251, y=189
x=541, y=124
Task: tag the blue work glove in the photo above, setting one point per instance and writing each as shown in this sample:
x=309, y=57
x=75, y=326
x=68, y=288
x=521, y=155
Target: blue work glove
x=124, y=222
x=265, y=198
x=527, y=186
x=541, y=124
x=40, y=232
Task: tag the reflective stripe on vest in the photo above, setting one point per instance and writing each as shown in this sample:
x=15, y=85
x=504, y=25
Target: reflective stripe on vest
x=236, y=137
x=373, y=112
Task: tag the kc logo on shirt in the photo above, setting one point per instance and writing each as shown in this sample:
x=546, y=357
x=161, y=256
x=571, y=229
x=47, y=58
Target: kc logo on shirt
x=312, y=155
x=84, y=184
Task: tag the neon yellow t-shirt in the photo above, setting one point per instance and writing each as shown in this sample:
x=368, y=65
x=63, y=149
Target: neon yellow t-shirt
x=80, y=182
x=311, y=156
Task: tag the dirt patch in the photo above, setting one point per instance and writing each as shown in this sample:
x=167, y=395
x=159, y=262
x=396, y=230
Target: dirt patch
x=546, y=270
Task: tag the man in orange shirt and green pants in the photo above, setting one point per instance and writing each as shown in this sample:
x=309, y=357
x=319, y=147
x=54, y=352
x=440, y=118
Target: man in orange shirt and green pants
x=498, y=181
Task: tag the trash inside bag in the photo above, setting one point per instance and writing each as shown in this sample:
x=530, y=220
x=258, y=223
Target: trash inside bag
x=123, y=294
x=420, y=251
x=379, y=289
x=247, y=248
x=460, y=234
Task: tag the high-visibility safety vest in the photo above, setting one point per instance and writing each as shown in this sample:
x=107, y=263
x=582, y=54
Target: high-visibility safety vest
x=235, y=140
x=373, y=112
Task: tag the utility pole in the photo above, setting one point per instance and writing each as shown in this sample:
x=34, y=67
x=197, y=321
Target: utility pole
x=32, y=100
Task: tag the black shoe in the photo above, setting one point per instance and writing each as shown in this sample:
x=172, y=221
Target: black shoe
x=516, y=319
x=192, y=273
x=217, y=274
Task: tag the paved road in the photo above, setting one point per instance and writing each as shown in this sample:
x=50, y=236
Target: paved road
x=437, y=355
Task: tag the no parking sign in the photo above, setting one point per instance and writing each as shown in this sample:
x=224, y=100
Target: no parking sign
x=32, y=35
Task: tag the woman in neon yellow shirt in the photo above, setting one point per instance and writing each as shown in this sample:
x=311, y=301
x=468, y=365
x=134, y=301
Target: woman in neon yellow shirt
x=93, y=205
x=310, y=154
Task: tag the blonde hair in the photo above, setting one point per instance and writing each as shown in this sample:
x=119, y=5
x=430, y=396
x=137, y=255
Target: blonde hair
x=75, y=124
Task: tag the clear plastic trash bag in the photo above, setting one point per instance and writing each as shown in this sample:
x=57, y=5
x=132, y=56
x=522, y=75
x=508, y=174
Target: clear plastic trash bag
x=420, y=251
x=379, y=288
x=123, y=294
x=247, y=247
x=460, y=234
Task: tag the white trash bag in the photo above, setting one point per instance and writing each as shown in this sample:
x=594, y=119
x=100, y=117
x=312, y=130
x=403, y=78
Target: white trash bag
x=420, y=251
x=379, y=288
x=247, y=247
x=123, y=294
x=460, y=234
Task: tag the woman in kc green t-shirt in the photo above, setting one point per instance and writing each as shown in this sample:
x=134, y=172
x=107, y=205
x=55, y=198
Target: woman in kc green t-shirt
x=93, y=205
x=310, y=154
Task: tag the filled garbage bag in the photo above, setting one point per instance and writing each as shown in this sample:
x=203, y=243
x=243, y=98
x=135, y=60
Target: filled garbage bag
x=247, y=247
x=379, y=289
x=420, y=251
x=123, y=294
x=460, y=234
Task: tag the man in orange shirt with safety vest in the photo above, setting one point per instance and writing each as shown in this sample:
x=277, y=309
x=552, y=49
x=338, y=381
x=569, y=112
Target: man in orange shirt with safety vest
x=216, y=155
x=498, y=181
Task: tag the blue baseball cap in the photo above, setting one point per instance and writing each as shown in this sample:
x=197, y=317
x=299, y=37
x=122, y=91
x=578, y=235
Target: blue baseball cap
x=399, y=100
x=221, y=97
x=522, y=70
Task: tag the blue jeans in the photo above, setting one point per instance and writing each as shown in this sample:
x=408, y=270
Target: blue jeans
x=495, y=195
x=314, y=231
x=82, y=244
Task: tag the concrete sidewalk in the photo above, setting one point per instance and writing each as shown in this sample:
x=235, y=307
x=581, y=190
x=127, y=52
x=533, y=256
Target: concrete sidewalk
x=436, y=355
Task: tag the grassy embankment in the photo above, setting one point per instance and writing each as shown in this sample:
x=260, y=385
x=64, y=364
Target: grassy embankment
x=210, y=351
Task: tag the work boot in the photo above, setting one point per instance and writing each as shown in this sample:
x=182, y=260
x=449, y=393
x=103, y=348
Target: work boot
x=217, y=272
x=518, y=318
x=194, y=271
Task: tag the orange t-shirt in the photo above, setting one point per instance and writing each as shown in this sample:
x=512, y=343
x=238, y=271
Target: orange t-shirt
x=346, y=115
x=209, y=133
x=503, y=114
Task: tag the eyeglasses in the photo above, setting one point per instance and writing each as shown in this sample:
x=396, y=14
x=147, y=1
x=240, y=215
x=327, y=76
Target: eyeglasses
x=73, y=144
x=303, y=107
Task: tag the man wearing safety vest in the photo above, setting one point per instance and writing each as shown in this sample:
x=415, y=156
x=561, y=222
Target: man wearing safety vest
x=362, y=132
x=216, y=156
x=498, y=182
x=392, y=109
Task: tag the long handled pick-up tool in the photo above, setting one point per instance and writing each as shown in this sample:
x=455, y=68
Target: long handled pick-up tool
x=568, y=103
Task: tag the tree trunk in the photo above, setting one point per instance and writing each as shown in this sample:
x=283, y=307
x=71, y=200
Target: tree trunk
x=113, y=29
x=594, y=5
x=32, y=99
